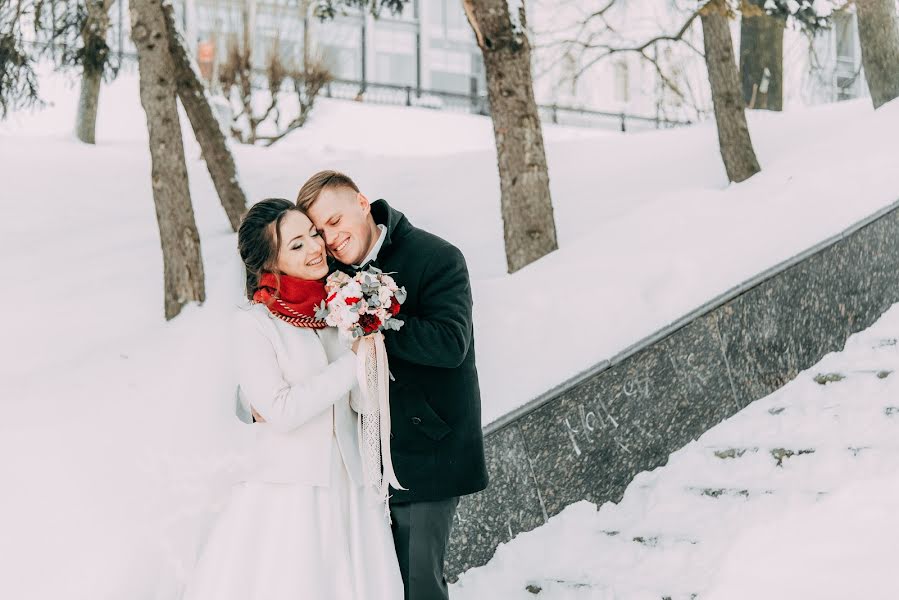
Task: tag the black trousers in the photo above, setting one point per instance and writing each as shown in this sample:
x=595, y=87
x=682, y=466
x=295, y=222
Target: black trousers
x=421, y=532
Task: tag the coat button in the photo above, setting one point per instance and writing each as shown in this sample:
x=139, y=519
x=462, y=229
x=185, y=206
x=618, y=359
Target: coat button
x=416, y=421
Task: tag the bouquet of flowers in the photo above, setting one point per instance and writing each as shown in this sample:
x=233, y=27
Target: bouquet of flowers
x=365, y=306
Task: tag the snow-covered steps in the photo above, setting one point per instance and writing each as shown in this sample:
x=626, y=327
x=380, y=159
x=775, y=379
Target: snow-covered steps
x=793, y=497
x=589, y=438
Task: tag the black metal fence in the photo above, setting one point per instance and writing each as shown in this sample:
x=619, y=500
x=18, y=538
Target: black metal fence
x=476, y=103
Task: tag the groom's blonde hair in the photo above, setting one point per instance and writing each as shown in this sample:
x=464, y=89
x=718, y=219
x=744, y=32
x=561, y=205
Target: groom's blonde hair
x=321, y=181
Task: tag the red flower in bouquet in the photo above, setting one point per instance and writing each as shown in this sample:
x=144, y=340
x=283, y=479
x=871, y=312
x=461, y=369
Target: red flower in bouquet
x=362, y=304
x=370, y=323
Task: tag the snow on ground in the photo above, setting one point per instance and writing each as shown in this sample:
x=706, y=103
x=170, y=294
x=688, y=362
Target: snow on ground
x=116, y=419
x=792, y=498
x=647, y=215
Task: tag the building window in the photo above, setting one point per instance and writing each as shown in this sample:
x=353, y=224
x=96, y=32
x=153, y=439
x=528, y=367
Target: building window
x=844, y=31
x=447, y=20
x=451, y=71
x=340, y=44
x=847, y=69
x=394, y=56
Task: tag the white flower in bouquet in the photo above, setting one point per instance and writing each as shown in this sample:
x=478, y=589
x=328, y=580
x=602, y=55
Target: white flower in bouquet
x=364, y=304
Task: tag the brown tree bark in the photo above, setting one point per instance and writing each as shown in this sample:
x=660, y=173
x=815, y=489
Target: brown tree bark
x=761, y=47
x=207, y=130
x=182, y=260
x=730, y=116
x=879, y=39
x=528, y=222
x=95, y=28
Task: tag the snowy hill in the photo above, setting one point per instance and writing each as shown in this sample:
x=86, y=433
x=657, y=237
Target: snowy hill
x=647, y=215
x=117, y=417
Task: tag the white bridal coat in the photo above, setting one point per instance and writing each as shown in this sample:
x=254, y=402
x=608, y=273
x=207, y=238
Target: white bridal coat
x=299, y=380
x=299, y=524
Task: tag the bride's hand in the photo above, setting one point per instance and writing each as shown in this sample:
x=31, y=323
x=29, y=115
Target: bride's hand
x=257, y=416
x=355, y=346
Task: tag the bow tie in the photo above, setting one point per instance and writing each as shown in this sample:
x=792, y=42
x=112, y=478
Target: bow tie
x=364, y=266
x=352, y=270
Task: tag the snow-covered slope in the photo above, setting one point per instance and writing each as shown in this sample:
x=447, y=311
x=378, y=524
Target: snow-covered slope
x=792, y=498
x=647, y=225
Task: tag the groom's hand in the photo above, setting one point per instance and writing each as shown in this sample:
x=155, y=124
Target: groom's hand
x=257, y=416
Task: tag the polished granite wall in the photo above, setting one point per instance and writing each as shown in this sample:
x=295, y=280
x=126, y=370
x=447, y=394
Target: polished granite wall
x=589, y=440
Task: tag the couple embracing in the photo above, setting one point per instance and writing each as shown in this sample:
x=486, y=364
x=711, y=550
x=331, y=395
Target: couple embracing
x=302, y=524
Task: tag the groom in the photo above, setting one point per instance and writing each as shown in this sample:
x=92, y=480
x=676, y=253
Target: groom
x=435, y=406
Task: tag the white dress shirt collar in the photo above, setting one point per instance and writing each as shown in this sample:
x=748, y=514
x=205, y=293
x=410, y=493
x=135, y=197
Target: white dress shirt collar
x=376, y=248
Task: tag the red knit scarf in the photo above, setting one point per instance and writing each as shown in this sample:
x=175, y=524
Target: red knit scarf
x=292, y=299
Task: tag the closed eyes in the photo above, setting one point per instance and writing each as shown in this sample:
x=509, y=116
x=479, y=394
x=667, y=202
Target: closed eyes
x=312, y=234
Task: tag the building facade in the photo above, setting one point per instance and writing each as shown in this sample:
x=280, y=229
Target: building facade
x=430, y=48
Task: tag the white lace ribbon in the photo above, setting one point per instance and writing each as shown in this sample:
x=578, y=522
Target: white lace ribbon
x=372, y=373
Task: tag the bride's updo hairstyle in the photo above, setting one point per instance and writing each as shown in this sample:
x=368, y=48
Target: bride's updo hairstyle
x=259, y=238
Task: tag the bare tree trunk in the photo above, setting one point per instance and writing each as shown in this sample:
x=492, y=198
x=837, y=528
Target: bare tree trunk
x=93, y=36
x=183, y=264
x=88, y=104
x=880, y=48
x=530, y=230
x=761, y=57
x=733, y=133
x=207, y=129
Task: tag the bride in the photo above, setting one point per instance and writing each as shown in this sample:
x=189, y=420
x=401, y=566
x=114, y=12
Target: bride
x=300, y=524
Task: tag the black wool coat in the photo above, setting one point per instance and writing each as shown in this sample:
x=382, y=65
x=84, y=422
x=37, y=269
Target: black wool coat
x=437, y=443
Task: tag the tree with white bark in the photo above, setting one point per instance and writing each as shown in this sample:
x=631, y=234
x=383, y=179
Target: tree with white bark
x=96, y=63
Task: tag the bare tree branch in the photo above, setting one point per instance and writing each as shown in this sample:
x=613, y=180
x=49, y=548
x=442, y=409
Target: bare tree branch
x=593, y=38
x=607, y=50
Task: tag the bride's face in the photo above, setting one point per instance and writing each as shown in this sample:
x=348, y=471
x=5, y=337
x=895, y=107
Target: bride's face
x=301, y=252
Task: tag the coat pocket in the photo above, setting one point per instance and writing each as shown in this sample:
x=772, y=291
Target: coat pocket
x=425, y=420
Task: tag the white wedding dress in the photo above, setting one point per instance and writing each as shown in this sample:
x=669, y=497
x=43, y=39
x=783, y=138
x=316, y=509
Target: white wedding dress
x=298, y=526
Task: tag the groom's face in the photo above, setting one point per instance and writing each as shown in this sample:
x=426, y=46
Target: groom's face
x=342, y=217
